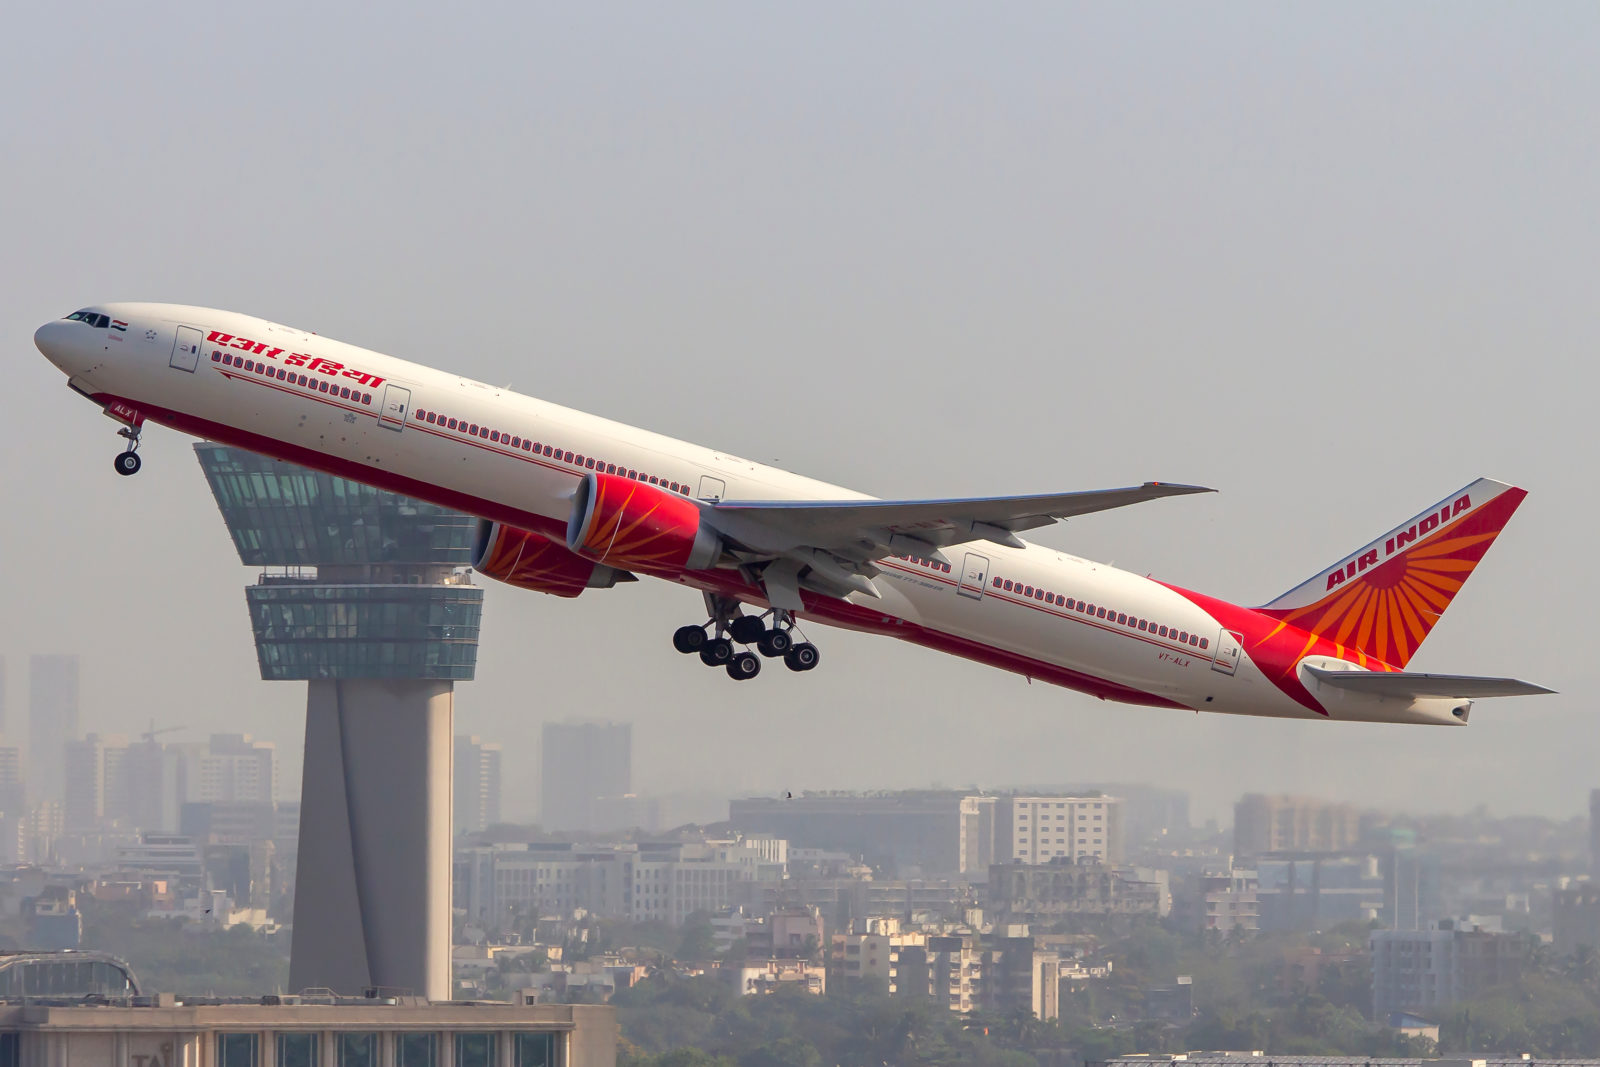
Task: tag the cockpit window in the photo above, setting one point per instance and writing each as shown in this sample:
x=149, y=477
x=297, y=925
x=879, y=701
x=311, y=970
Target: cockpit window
x=99, y=322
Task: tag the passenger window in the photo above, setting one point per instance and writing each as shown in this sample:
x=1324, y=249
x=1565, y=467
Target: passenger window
x=1204, y=641
x=997, y=583
x=1008, y=585
x=654, y=480
x=1038, y=594
x=589, y=463
x=567, y=457
x=1101, y=612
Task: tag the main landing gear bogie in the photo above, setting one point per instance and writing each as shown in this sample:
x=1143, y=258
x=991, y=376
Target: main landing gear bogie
x=772, y=642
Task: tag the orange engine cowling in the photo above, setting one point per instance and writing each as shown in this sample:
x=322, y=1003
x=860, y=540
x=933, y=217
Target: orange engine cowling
x=640, y=526
x=529, y=561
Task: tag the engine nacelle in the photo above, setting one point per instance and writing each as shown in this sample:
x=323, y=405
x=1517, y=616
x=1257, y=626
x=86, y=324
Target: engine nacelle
x=639, y=526
x=528, y=561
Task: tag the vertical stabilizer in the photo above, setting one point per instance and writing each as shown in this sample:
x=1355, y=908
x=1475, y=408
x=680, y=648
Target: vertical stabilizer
x=1383, y=599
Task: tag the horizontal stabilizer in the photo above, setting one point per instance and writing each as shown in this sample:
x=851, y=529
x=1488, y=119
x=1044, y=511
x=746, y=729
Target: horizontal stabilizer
x=1402, y=684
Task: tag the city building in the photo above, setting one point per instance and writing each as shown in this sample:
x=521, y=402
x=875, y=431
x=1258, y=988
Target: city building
x=579, y=763
x=13, y=795
x=1040, y=829
x=229, y=769
x=872, y=954
x=1417, y=970
x=1594, y=833
x=1297, y=891
x=905, y=833
x=52, y=719
x=477, y=785
x=1575, y=919
x=1049, y=892
x=501, y=885
x=365, y=596
x=1292, y=824
x=94, y=782
x=154, y=787
x=758, y=977
x=164, y=1031
x=1018, y=976
x=1223, y=901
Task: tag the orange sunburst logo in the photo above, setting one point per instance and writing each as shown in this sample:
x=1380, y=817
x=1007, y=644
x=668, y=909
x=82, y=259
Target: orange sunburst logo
x=1387, y=611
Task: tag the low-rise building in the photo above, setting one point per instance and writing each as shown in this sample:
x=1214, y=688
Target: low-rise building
x=363, y=1032
x=1417, y=970
x=1575, y=919
x=1222, y=901
x=1045, y=892
x=757, y=977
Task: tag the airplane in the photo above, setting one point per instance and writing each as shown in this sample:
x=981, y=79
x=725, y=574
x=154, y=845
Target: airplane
x=569, y=502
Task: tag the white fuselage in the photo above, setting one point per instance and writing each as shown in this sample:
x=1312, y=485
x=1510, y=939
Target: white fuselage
x=242, y=385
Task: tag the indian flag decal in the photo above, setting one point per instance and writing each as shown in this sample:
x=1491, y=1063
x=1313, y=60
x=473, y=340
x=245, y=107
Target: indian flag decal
x=118, y=324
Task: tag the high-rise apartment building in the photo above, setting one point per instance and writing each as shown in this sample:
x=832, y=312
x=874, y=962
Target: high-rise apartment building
x=229, y=769
x=1594, y=833
x=52, y=719
x=95, y=781
x=1292, y=824
x=1046, y=829
x=13, y=800
x=477, y=785
x=581, y=762
x=153, y=783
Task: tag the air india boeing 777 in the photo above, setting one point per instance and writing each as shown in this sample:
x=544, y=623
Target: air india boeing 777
x=569, y=502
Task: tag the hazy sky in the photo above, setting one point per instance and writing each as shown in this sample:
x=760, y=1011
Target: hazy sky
x=1334, y=260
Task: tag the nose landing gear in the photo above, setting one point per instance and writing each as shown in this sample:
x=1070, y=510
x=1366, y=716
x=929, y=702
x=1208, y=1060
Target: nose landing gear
x=774, y=642
x=128, y=462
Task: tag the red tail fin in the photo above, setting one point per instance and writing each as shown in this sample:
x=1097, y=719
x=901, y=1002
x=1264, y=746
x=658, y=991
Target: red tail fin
x=1383, y=600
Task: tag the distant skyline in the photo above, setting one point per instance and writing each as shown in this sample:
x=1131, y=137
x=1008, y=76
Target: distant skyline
x=1333, y=261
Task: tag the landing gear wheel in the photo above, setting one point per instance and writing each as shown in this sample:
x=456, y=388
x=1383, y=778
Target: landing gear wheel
x=687, y=639
x=801, y=657
x=747, y=629
x=744, y=666
x=128, y=463
x=775, y=643
x=716, y=652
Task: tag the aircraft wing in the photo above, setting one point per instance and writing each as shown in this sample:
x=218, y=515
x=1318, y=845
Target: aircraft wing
x=1406, y=685
x=826, y=524
x=830, y=545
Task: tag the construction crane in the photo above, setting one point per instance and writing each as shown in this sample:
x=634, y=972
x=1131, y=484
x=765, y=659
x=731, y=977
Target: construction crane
x=151, y=734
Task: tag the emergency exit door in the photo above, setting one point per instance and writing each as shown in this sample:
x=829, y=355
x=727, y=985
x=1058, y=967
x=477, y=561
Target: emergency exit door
x=186, y=349
x=1226, y=661
x=396, y=399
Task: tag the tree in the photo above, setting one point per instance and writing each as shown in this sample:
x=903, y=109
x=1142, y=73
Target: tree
x=699, y=941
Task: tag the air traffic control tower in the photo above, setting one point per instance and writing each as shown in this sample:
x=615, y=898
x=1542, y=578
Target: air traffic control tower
x=364, y=596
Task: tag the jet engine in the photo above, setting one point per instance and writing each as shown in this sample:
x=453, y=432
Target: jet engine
x=626, y=523
x=528, y=561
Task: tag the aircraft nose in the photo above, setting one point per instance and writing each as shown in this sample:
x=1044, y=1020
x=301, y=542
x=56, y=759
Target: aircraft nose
x=56, y=340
